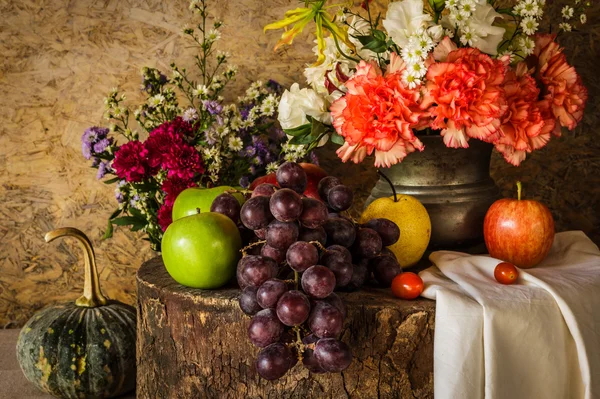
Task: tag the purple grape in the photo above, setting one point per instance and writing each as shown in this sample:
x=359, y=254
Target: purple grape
x=340, y=231
x=318, y=281
x=293, y=308
x=308, y=356
x=360, y=274
x=248, y=302
x=274, y=361
x=309, y=235
x=264, y=189
x=388, y=252
x=325, y=320
x=269, y=293
x=227, y=205
x=335, y=252
x=334, y=300
x=261, y=233
x=385, y=269
x=265, y=328
x=333, y=355
x=387, y=230
x=288, y=338
x=326, y=184
x=342, y=271
x=291, y=175
x=281, y=235
x=302, y=255
x=276, y=254
x=367, y=243
x=285, y=205
x=256, y=269
x=314, y=213
x=255, y=213
x=340, y=198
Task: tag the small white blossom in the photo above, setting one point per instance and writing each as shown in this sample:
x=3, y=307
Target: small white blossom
x=222, y=130
x=272, y=167
x=567, y=12
x=449, y=33
x=200, y=91
x=213, y=35
x=467, y=37
x=190, y=114
x=267, y=109
x=466, y=8
x=565, y=26
x=529, y=25
x=235, y=143
x=526, y=45
x=583, y=19
x=417, y=69
x=452, y=4
x=509, y=53
x=410, y=79
x=156, y=100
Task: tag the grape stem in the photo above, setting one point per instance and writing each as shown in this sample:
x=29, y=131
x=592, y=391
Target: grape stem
x=234, y=191
x=299, y=344
x=519, y=190
x=380, y=173
x=254, y=244
x=318, y=245
x=296, y=279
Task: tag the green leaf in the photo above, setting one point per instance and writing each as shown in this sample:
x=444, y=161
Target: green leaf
x=337, y=139
x=136, y=213
x=379, y=35
x=376, y=46
x=115, y=214
x=364, y=39
x=317, y=128
x=111, y=181
x=307, y=139
x=109, y=231
x=125, y=220
x=299, y=131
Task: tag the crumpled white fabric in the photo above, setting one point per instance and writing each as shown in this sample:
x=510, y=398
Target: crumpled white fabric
x=538, y=338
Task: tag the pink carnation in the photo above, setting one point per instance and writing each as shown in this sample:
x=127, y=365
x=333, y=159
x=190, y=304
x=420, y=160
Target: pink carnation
x=379, y=113
x=527, y=124
x=131, y=162
x=561, y=85
x=467, y=91
x=183, y=161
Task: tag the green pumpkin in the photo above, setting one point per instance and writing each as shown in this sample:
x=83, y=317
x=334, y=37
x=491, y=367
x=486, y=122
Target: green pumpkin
x=84, y=349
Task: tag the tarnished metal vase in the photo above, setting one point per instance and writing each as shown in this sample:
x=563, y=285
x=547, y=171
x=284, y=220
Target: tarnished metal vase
x=454, y=185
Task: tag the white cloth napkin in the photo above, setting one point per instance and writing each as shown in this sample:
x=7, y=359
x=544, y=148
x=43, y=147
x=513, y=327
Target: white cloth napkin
x=538, y=338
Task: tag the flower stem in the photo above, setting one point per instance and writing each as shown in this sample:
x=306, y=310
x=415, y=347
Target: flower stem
x=519, y=190
x=390, y=183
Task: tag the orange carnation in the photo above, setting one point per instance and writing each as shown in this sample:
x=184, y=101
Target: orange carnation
x=378, y=113
x=468, y=95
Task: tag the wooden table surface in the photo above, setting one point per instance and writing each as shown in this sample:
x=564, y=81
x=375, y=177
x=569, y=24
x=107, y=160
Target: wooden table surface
x=13, y=384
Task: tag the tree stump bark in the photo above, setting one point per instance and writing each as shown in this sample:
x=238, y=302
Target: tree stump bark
x=193, y=344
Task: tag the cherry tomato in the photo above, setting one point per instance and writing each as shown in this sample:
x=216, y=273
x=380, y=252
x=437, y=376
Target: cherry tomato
x=506, y=273
x=407, y=285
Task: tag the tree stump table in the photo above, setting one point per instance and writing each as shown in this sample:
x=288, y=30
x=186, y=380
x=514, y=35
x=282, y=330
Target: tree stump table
x=193, y=344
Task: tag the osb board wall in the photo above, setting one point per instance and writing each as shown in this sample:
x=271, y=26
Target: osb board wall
x=60, y=58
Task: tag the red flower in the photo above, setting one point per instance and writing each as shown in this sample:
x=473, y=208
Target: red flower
x=164, y=216
x=561, y=85
x=173, y=186
x=527, y=124
x=131, y=162
x=183, y=161
x=158, y=144
x=467, y=91
x=379, y=113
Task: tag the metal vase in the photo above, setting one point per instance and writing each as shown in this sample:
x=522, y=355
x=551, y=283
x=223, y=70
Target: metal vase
x=454, y=185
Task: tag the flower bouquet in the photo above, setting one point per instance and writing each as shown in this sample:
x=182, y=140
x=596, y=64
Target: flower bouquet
x=192, y=137
x=463, y=69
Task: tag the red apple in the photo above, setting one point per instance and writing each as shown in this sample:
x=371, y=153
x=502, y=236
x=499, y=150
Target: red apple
x=314, y=175
x=518, y=231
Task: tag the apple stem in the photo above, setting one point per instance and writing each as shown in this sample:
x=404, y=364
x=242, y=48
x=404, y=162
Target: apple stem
x=519, y=190
x=198, y=210
x=390, y=183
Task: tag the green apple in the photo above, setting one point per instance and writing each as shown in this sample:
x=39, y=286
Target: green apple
x=190, y=200
x=202, y=250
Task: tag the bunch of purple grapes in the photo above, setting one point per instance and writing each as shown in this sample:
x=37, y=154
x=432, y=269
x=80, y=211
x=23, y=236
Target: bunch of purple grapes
x=308, y=249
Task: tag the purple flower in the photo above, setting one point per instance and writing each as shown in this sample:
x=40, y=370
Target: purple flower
x=103, y=169
x=134, y=200
x=259, y=160
x=86, y=150
x=245, y=111
x=245, y=182
x=273, y=85
x=313, y=158
x=253, y=170
x=213, y=107
x=102, y=145
x=119, y=196
x=90, y=137
x=96, y=162
x=250, y=151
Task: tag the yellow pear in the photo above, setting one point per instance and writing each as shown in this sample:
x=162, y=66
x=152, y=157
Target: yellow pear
x=412, y=220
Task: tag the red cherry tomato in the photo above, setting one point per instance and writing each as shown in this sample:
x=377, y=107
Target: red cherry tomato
x=506, y=273
x=407, y=285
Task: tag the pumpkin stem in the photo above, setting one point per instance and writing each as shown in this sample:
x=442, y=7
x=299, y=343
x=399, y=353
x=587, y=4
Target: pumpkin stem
x=92, y=294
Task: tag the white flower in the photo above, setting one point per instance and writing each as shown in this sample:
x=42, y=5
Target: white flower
x=436, y=32
x=410, y=79
x=222, y=130
x=156, y=100
x=449, y=33
x=272, y=167
x=235, y=143
x=418, y=69
x=408, y=54
x=213, y=35
x=529, y=25
x=315, y=75
x=190, y=114
x=526, y=45
x=359, y=27
x=403, y=19
x=200, y=91
x=488, y=37
x=583, y=19
x=530, y=8
x=565, y=26
x=567, y=12
x=509, y=53
x=267, y=109
x=466, y=8
x=467, y=37
x=422, y=42
x=236, y=123
x=231, y=70
x=451, y=4
x=295, y=104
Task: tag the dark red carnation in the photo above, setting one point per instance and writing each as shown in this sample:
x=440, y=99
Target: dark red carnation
x=173, y=186
x=131, y=161
x=158, y=144
x=164, y=216
x=183, y=161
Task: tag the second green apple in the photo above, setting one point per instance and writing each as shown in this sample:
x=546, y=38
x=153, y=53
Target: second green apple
x=190, y=200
